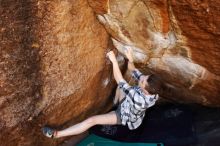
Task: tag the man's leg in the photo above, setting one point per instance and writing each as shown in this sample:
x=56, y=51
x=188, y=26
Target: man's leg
x=104, y=119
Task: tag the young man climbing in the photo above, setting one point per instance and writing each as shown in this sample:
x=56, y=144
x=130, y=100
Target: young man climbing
x=132, y=101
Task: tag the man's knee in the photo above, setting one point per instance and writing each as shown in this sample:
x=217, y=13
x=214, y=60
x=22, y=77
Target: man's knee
x=91, y=120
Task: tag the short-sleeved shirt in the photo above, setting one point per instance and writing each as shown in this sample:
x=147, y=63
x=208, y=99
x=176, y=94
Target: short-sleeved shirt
x=133, y=107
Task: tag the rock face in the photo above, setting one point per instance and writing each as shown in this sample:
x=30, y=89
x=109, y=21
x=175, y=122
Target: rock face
x=52, y=68
x=178, y=40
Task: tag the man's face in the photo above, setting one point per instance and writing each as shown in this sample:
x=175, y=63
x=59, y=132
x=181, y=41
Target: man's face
x=143, y=81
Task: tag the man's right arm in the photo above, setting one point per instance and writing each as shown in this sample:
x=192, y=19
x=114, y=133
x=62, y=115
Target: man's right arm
x=136, y=74
x=131, y=66
x=128, y=54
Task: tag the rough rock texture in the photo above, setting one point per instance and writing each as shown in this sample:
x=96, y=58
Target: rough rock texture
x=177, y=39
x=52, y=68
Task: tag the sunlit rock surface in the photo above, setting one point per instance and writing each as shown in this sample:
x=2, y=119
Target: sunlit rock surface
x=178, y=40
x=53, y=68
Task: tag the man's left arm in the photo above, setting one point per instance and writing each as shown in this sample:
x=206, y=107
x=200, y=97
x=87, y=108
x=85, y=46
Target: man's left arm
x=116, y=70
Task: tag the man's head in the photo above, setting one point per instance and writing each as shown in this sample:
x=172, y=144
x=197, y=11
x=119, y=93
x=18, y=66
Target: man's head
x=151, y=83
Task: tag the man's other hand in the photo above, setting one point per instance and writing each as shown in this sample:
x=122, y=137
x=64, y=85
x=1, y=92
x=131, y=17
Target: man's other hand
x=111, y=56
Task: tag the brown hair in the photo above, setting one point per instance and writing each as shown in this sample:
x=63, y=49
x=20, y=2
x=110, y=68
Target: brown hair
x=155, y=84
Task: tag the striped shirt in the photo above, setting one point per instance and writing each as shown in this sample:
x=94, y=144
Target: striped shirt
x=135, y=103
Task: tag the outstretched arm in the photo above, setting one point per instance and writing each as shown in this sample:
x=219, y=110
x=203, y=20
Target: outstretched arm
x=128, y=54
x=116, y=70
x=136, y=74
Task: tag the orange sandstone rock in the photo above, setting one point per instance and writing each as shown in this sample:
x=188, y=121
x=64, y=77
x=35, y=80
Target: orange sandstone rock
x=178, y=40
x=52, y=68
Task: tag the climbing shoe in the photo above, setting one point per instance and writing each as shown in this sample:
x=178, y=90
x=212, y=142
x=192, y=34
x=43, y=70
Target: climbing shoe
x=49, y=132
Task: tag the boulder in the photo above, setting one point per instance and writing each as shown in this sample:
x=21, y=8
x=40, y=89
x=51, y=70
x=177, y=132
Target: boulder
x=177, y=40
x=53, y=68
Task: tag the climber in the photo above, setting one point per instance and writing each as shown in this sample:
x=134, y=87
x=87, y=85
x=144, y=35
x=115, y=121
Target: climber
x=132, y=101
